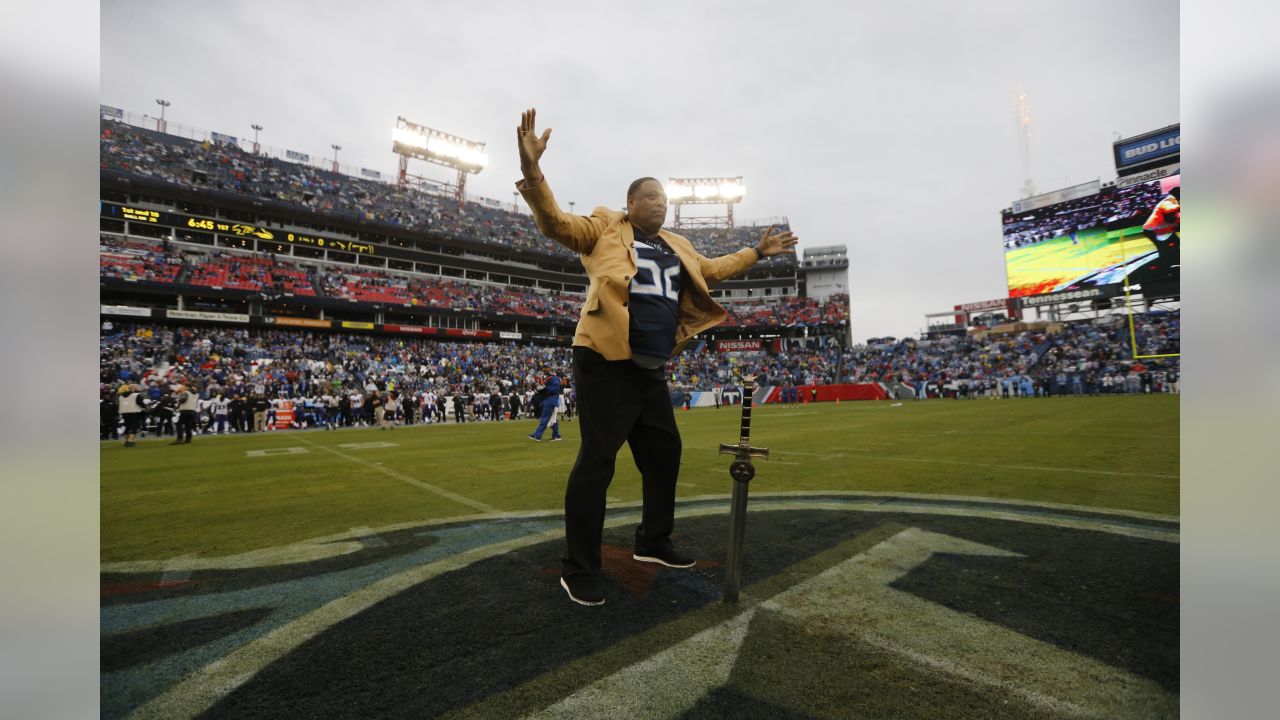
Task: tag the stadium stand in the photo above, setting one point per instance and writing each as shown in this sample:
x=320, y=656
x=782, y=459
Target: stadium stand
x=1085, y=357
x=163, y=262
x=208, y=166
x=1014, y=360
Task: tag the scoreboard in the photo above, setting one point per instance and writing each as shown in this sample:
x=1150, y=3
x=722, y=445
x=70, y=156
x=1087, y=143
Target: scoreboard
x=195, y=222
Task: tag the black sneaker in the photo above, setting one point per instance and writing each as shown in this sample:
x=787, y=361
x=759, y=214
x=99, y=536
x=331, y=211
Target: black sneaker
x=583, y=589
x=535, y=439
x=664, y=556
x=556, y=439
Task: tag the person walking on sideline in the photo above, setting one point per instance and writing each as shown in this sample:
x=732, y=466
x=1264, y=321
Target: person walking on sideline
x=131, y=406
x=549, y=409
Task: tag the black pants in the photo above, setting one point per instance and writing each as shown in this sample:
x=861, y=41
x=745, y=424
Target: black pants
x=186, y=425
x=619, y=401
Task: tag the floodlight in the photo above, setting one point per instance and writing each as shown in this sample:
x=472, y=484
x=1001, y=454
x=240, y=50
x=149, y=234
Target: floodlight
x=732, y=190
x=706, y=191
x=472, y=156
x=442, y=147
x=408, y=137
x=411, y=140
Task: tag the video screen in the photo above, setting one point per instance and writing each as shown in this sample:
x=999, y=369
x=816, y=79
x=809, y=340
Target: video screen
x=1098, y=241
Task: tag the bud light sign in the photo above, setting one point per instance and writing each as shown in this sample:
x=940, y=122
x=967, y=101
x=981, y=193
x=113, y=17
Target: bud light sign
x=1145, y=149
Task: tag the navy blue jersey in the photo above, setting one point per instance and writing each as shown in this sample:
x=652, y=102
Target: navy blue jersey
x=654, y=302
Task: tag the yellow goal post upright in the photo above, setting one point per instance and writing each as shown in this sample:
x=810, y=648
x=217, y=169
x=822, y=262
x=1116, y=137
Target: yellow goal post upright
x=1133, y=333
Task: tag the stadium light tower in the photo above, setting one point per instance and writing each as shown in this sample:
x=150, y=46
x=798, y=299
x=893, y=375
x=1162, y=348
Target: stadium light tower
x=256, y=129
x=161, y=125
x=336, y=148
x=726, y=191
x=413, y=141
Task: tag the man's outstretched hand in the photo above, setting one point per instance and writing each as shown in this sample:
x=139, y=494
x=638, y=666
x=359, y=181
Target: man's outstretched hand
x=770, y=244
x=531, y=146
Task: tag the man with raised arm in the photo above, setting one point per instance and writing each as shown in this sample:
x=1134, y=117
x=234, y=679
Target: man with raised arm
x=648, y=296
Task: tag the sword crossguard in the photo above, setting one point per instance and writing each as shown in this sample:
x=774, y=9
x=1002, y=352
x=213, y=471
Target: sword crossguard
x=742, y=469
x=744, y=451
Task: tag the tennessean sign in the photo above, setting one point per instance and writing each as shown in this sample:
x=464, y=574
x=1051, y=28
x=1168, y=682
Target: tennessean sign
x=1082, y=294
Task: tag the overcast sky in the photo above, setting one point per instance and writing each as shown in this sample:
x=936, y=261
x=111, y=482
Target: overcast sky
x=886, y=127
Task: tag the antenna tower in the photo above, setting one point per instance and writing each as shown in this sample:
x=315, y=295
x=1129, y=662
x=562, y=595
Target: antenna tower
x=1022, y=111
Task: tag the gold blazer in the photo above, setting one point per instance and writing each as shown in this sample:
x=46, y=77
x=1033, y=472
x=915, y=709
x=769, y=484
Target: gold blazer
x=605, y=241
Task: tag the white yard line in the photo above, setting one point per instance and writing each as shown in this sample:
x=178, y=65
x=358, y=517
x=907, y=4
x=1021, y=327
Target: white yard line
x=476, y=504
x=1039, y=468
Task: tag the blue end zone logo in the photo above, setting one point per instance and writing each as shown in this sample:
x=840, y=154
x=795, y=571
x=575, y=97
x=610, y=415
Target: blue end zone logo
x=997, y=607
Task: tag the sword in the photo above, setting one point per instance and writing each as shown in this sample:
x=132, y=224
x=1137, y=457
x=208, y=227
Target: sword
x=742, y=470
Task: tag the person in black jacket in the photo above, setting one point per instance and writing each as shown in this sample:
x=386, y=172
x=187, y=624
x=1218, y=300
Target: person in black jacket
x=108, y=416
x=236, y=411
x=495, y=405
x=459, y=405
x=163, y=414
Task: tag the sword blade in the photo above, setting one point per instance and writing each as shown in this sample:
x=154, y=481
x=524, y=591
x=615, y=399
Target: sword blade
x=737, y=529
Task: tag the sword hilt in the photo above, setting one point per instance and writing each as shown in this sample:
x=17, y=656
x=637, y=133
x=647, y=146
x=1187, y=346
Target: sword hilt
x=742, y=469
x=748, y=391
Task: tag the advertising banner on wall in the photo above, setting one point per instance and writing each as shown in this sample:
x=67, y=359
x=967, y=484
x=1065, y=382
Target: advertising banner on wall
x=1158, y=147
x=206, y=316
x=412, y=329
x=1057, y=196
x=739, y=345
x=297, y=322
x=126, y=310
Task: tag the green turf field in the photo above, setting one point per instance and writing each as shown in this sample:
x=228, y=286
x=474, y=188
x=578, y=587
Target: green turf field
x=1040, y=268
x=210, y=498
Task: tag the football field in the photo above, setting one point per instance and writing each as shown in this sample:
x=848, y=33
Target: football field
x=239, y=493
x=964, y=559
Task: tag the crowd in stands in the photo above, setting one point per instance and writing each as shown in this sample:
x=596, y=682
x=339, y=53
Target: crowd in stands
x=1087, y=357
x=1078, y=358
x=162, y=261
x=246, y=364
x=792, y=311
x=1111, y=208
x=713, y=242
x=137, y=260
x=228, y=168
x=240, y=272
